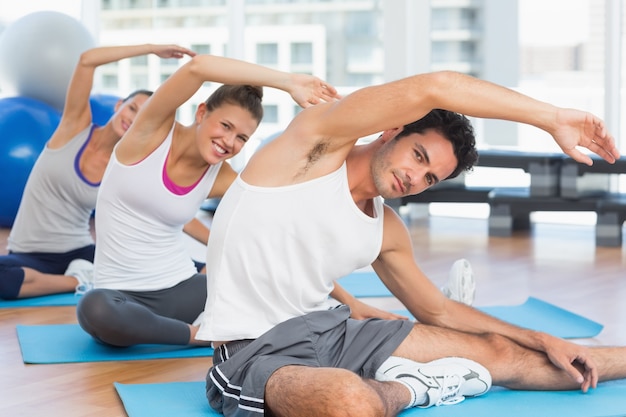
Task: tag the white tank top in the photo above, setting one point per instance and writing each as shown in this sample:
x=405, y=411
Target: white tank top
x=57, y=202
x=139, y=224
x=274, y=253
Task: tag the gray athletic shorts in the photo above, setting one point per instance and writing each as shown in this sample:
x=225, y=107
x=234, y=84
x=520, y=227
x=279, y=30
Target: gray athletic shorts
x=330, y=338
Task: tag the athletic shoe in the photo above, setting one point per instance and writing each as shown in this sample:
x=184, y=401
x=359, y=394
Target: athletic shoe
x=82, y=270
x=446, y=381
x=461, y=286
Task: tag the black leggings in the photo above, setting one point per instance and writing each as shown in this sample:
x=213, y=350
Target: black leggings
x=126, y=318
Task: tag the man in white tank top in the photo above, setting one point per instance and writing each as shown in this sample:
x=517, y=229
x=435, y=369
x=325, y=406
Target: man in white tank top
x=307, y=209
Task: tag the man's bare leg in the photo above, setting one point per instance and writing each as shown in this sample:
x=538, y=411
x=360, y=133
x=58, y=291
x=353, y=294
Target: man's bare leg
x=312, y=392
x=305, y=391
x=399, y=384
x=511, y=365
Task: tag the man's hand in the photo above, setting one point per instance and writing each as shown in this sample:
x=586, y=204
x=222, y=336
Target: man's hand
x=573, y=359
x=576, y=128
x=361, y=311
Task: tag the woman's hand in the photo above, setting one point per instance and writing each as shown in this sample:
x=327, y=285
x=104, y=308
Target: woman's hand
x=172, y=51
x=308, y=90
x=574, y=359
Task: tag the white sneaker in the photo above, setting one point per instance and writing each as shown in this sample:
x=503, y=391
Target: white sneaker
x=461, y=285
x=82, y=270
x=446, y=381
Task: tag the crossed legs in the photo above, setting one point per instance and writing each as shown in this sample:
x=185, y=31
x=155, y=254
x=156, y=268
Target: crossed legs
x=125, y=318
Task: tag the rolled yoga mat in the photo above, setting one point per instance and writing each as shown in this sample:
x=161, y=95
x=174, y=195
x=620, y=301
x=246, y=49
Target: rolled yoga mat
x=67, y=299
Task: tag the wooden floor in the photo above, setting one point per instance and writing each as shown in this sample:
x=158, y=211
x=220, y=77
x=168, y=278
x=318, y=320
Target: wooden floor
x=555, y=262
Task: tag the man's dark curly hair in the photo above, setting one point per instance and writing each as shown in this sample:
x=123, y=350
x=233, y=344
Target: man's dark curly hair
x=454, y=127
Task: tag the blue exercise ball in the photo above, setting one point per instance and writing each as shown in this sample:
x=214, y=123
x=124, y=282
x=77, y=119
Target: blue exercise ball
x=26, y=124
x=102, y=107
x=38, y=54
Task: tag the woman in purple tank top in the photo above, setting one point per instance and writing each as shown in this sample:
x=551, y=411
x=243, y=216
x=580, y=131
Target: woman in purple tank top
x=29, y=269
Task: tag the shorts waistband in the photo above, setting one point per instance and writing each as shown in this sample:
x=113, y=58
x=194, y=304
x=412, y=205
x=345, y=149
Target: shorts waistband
x=227, y=350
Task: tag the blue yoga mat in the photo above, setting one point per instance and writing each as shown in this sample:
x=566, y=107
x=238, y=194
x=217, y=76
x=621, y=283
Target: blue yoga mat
x=543, y=316
x=539, y=315
x=364, y=284
x=360, y=284
x=165, y=399
x=67, y=299
x=608, y=400
x=188, y=399
x=533, y=314
x=68, y=343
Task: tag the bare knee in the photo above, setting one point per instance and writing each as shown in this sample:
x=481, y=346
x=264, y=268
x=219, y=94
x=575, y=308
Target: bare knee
x=502, y=347
x=508, y=360
x=306, y=391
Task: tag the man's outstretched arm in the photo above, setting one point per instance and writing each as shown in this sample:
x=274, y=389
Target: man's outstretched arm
x=397, y=268
x=374, y=109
